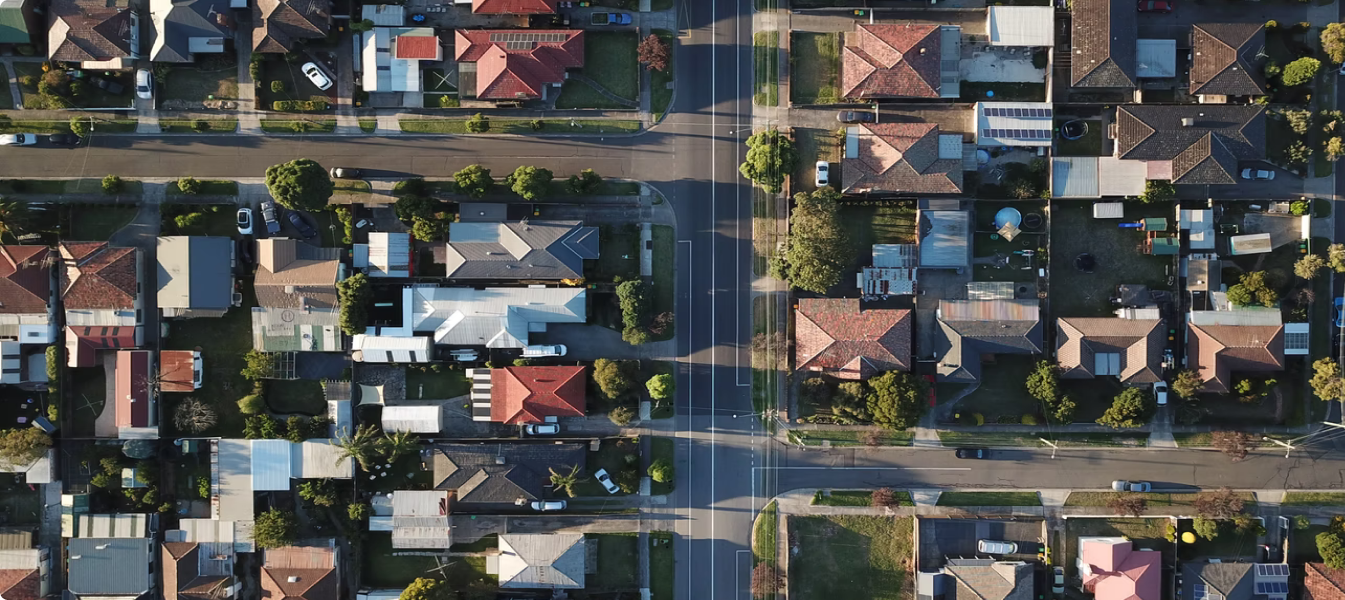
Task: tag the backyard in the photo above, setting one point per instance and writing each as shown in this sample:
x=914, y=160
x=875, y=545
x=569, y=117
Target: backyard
x=815, y=64
x=1001, y=91
x=1012, y=263
x=441, y=385
x=86, y=402
x=610, y=61
x=1088, y=145
x=216, y=78
x=296, y=396
x=1117, y=253
x=223, y=342
x=381, y=569
x=618, y=557
x=891, y=223
x=20, y=503
x=850, y=557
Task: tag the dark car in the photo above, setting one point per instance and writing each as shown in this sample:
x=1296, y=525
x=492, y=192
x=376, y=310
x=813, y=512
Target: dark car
x=973, y=453
x=855, y=116
x=304, y=228
x=1158, y=6
x=245, y=251
x=345, y=173
x=64, y=139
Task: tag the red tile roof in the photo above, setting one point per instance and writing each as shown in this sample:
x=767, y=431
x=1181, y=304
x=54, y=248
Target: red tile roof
x=20, y=584
x=81, y=343
x=312, y=569
x=1218, y=350
x=182, y=579
x=513, y=7
x=132, y=388
x=418, y=47
x=530, y=394
x=1119, y=572
x=25, y=279
x=891, y=61
x=505, y=70
x=833, y=336
x=98, y=276
x=176, y=370
x=1319, y=582
x=902, y=158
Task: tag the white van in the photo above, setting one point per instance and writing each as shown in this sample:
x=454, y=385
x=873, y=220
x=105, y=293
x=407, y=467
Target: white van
x=536, y=351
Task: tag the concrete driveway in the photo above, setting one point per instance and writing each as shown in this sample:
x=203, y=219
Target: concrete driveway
x=956, y=538
x=591, y=342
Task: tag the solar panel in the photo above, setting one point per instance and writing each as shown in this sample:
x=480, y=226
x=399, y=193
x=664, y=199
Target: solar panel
x=1272, y=570
x=1265, y=588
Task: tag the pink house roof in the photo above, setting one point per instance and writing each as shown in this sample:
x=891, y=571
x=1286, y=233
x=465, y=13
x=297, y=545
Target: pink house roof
x=512, y=63
x=513, y=7
x=1119, y=572
x=418, y=47
x=132, y=388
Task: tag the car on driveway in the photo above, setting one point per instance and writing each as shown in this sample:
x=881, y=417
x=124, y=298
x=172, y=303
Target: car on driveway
x=543, y=429
x=304, y=228
x=315, y=75
x=269, y=215
x=996, y=547
x=548, y=505
x=973, y=453
x=144, y=84
x=1158, y=6
x=345, y=173
x=64, y=139
x=1340, y=313
x=606, y=481
x=609, y=18
x=1258, y=175
x=1161, y=393
x=855, y=116
x=1058, y=580
x=244, y=221
x=1121, y=485
x=823, y=173
x=539, y=350
x=18, y=139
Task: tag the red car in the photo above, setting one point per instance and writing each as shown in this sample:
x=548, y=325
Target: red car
x=1159, y=6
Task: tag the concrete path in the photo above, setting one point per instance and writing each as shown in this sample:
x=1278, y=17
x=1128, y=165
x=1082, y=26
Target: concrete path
x=13, y=80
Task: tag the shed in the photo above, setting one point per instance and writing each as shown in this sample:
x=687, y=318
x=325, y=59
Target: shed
x=1109, y=210
x=1021, y=26
x=1255, y=243
x=391, y=349
x=1154, y=224
x=415, y=419
x=1199, y=225
x=1155, y=59
x=389, y=254
x=1164, y=246
x=1096, y=177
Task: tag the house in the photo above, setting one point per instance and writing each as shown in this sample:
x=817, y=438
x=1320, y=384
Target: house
x=1227, y=61
x=195, y=276
x=278, y=24
x=97, y=35
x=193, y=570
x=1188, y=144
x=1102, y=36
x=427, y=418
x=39, y=470
x=1206, y=580
x=1321, y=582
x=83, y=343
x=137, y=404
x=524, y=250
x=513, y=7
x=20, y=20
x=416, y=519
x=386, y=254
x=837, y=337
x=1112, y=569
x=893, y=271
x=508, y=64
x=115, y=568
x=551, y=561
x=900, y=61
x=977, y=579
x=944, y=230
x=522, y=395
x=490, y=317
x=901, y=158
x=184, y=29
x=297, y=300
x=969, y=330
x=1221, y=342
x=302, y=572
x=100, y=289
x=27, y=314
x=1129, y=349
x=500, y=475
x=391, y=349
x=391, y=61
x=1015, y=124
x=25, y=571
x=1020, y=26
x=180, y=370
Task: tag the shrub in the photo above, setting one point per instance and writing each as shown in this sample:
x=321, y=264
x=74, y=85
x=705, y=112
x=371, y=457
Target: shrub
x=478, y=123
x=1029, y=419
x=112, y=184
x=447, y=101
x=300, y=105
x=662, y=471
x=190, y=186
x=622, y=415
x=1300, y=71
x=252, y=404
x=200, y=125
x=277, y=86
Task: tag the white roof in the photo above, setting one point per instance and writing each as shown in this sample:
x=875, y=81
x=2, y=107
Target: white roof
x=338, y=412
x=420, y=503
x=124, y=525
x=1109, y=210
x=235, y=480
x=320, y=459
x=389, y=254
x=542, y=560
x=384, y=15
x=1155, y=58
x=1096, y=177
x=271, y=468
x=491, y=317
x=1014, y=123
x=392, y=349
x=415, y=419
x=1021, y=25
x=383, y=71
x=1252, y=243
x=1200, y=227
x=1258, y=316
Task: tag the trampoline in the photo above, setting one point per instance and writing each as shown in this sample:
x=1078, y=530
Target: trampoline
x=1008, y=216
x=1073, y=130
x=1032, y=221
x=1085, y=263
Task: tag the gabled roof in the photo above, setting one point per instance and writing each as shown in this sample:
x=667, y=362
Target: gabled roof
x=1116, y=571
x=279, y=23
x=501, y=473
x=294, y=275
x=899, y=157
x=98, y=276
x=519, y=250
x=81, y=343
x=494, y=317
x=1216, y=351
x=20, y=584
x=513, y=7
x=531, y=394
x=109, y=566
x=1319, y=582
x=1203, y=142
x=194, y=272
x=971, y=328
x=132, y=388
x=542, y=560
x=1103, y=40
x=178, y=22
x=891, y=61
x=88, y=30
x=25, y=279
x=182, y=578
x=1135, y=345
x=982, y=579
x=300, y=572
x=1231, y=580
x=834, y=336
x=1225, y=59
x=511, y=63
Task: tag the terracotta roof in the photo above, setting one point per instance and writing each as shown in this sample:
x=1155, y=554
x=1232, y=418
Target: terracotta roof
x=176, y=370
x=1138, y=344
x=513, y=7
x=1319, y=582
x=530, y=394
x=281, y=22
x=132, y=388
x=81, y=343
x=833, y=336
x=1216, y=351
x=891, y=61
x=25, y=279
x=89, y=30
x=98, y=276
x=1226, y=60
x=181, y=574
x=418, y=47
x=20, y=584
x=1204, y=150
x=312, y=569
x=1119, y=572
x=901, y=158
x=1103, y=40
x=506, y=69
x=287, y=278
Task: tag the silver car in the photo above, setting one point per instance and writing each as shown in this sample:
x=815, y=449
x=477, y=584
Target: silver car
x=316, y=76
x=606, y=481
x=1121, y=485
x=996, y=547
x=548, y=505
x=18, y=139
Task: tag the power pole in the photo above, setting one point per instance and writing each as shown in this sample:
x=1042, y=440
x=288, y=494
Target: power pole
x=1053, y=446
x=1287, y=446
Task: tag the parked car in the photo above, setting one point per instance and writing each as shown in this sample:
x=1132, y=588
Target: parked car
x=144, y=84
x=346, y=173
x=973, y=453
x=245, y=221
x=823, y=173
x=543, y=429
x=1058, y=582
x=1340, y=313
x=606, y=481
x=315, y=75
x=544, y=350
x=855, y=116
x=463, y=355
x=548, y=505
x=304, y=228
x=269, y=215
x=245, y=251
x=996, y=547
x=1258, y=175
x=1158, y=6
x=1161, y=393
x=18, y=139
x=610, y=18
x=1121, y=485
x=108, y=85
x=64, y=139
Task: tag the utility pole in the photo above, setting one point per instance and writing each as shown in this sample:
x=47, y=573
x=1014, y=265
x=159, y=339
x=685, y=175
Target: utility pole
x=1287, y=446
x=1053, y=446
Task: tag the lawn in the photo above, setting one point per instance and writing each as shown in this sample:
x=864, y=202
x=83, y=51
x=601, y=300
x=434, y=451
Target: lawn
x=660, y=82
x=296, y=85
x=90, y=97
x=662, y=565
x=665, y=269
x=98, y=223
x=663, y=448
x=611, y=455
x=977, y=91
x=223, y=343
x=6, y=99
x=40, y=126
x=214, y=219
x=815, y=65
x=368, y=125
x=892, y=223
x=1149, y=534
x=1229, y=544
x=1002, y=396
x=983, y=438
x=196, y=84
x=989, y=499
x=1156, y=499
x=206, y=126
x=436, y=386
x=351, y=186
x=1303, y=544
x=522, y=127
x=209, y=187
x=840, y=437
x=618, y=562
x=1313, y=499
x=87, y=400
x=1088, y=145
x=766, y=68
x=610, y=61
x=813, y=145
x=851, y=557
x=383, y=570
x=620, y=256
x=855, y=498
x=302, y=396
x=299, y=125
x=1012, y=266
x=1118, y=255
x=764, y=530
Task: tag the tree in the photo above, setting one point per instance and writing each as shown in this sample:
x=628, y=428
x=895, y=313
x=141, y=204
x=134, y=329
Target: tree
x=765, y=580
x=1326, y=381
x=252, y=404
x=320, y=492
x=355, y=294
x=295, y=429
x=1308, y=265
x=1156, y=190
x=614, y=378
x=850, y=403
x=13, y=216
x=635, y=335
x=1331, y=546
x=1187, y=383
x=770, y=158
x=274, y=529
x=362, y=25
x=1235, y=444
x=416, y=205
x=428, y=230
x=818, y=250
x=883, y=497
x=20, y=447
x=300, y=184
x=259, y=365
x=1127, y=410
x=621, y=416
x=262, y=427
x=1062, y=410
x=398, y=444
x=193, y=415
x=357, y=511
x=190, y=186
x=894, y=400
x=112, y=184
x=814, y=392
x=584, y=182
x=661, y=386
x=1205, y=528
x=1299, y=120
x=361, y=446
x=140, y=449
x=1253, y=288
x=474, y=180
x=530, y=182
x=1333, y=42
x=427, y=589
x=653, y=53
x=1300, y=71
x=1335, y=257
x=1335, y=148
x=478, y=123
x=1128, y=504
x=277, y=86
x=565, y=482
x=1043, y=383
x=1219, y=504
x=662, y=471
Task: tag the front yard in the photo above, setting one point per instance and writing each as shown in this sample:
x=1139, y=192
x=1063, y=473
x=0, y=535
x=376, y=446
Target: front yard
x=618, y=562
x=382, y=569
x=1148, y=534
x=1002, y=396
x=610, y=61
x=1118, y=254
x=214, y=78
x=815, y=65
x=851, y=557
x=614, y=455
x=98, y=223
x=813, y=145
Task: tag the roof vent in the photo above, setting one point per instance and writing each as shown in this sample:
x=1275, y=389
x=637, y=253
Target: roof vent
x=76, y=557
x=101, y=546
x=922, y=50
x=289, y=289
x=1188, y=122
x=292, y=579
x=499, y=459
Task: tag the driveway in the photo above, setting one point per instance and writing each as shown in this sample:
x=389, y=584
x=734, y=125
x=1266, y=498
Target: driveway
x=1286, y=185
x=956, y=538
x=591, y=342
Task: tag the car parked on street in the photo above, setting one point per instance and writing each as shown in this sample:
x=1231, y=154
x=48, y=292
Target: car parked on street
x=606, y=481
x=18, y=139
x=269, y=215
x=304, y=228
x=981, y=453
x=244, y=221
x=996, y=547
x=1258, y=175
x=64, y=139
x=346, y=173
x=1121, y=485
x=823, y=173
x=548, y=505
x=1339, y=319
x=315, y=75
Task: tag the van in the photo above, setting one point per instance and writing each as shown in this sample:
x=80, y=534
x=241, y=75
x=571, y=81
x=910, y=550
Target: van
x=536, y=351
x=548, y=505
x=996, y=547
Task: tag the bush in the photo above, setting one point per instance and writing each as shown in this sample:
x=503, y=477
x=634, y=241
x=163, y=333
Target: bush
x=300, y=105
x=200, y=125
x=252, y=404
x=622, y=415
x=662, y=471
x=478, y=123
x=277, y=86
x=1300, y=71
x=190, y=186
x=1029, y=419
x=536, y=124
x=112, y=185
x=446, y=101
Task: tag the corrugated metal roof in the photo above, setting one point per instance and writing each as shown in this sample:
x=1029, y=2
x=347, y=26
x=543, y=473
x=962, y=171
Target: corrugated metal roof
x=542, y=560
x=126, y=525
x=944, y=238
x=389, y=254
x=1074, y=177
x=320, y=459
x=491, y=317
x=1120, y=178
x=415, y=419
x=339, y=413
x=1021, y=26
x=271, y=468
x=989, y=310
x=1109, y=210
x=21, y=558
x=1255, y=316
x=1254, y=243
x=109, y=567
x=384, y=15
x=391, y=349
x=420, y=503
x=235, y=480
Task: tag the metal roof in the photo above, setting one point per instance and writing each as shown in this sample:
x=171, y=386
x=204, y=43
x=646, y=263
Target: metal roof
x=1021, y=25
x=1254, y=243
x=392, y=349
x=320, y=459
x=944, y=238
x=389, y=254
x=1109, y=210
x=542, y=560
x=415, y=419
x=491, y=317
x=271, y=469
x=236, y=501
x=109, y=566
x=1155, y=58
x=384, y=15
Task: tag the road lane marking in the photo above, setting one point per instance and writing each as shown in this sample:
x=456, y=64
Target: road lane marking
x=864, y=468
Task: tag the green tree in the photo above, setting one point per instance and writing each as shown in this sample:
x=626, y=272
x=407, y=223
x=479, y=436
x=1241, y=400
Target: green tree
x=295, y=429
x=398, y=444
x=474, y=180
x=357, y=511
x=190, y=186
x=1187, y=383
x=300, y=184
x=428, y=230
x=1127, y=410
x=818, y=251
x=770, y=158
x=1043, y=383
x=277, y=87
x=1205, y=528
x=621, y=416
x=1335, y=147
x=478, y=123
x=1335, y=257
x=531, y=183
x=274, y=529
x=14, y=217
x=661, y=386
x=1158, y=191
x=1331, y=546
x=80, y=126
x=662, y=471
x=584, y=182
x=894, y=400
x=614, y=378
x=362, y=25
x=362, y=446
x=633, y=299
x=1309, y=265
x=1300, y=71
x=1326, y=381
x=565, y=482
x=414, y=205
x=355, y=295
x=1253, y=289
x=320, y=492
x=1333, y=42
x=252, y=404
x=427, y=589
x=112, y=185
x=21, y=446
x=259, y=365
x=1062, y=409
x=1299, y=120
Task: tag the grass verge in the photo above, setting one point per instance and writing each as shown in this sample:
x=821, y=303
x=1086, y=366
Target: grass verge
x=989, y=499
x=662, y=565
x=298, y=126
x=190, y=126
x=522, y=127
x=209, y=187
x=1313, y=499
x=766, y=68
x=664, y=448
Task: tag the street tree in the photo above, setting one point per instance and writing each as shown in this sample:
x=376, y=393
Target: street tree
x=274, y=529
x=1326, y=381
x=883, y=497
x=1333, y=42
x=770, y=158
x=479, y=123
x=1128, y=409
x=474, y=180
x=1235, y=444
x=1335, y=148
x=894, y=400
x=530, y=182
x=1309, y=265
x=584, y=182
x=621, y=416
x=300, y=184
x=661, y=386
x=653, y=52
x=818, y=250
x=1222, y=503
x=662, y=471
x=80, y=126
x=1187, y=383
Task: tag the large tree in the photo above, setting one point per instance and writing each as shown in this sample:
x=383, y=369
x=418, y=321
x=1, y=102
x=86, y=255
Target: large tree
x=1326, y=380
x=770, y=158
x=818, y=250
x=474, y=180
x=1187, y=383
x=427, y=589
x=13, y=217
x=653, y=53
x=1335, y=257
x=530, y=182
x=661, y=386
x=1300, y=71
x=614, y=377
x=565, y=480
x=362, y=446
x=894, y=400
x=301, y=184
x=1253, y=289
x=1309, y=265
x=1222, y=503
x=1333, y=42
x=355, y=295
x=1128, y=504
x=1235, y=444
x=274, y=528
x=21, y=446
x=1128, y=409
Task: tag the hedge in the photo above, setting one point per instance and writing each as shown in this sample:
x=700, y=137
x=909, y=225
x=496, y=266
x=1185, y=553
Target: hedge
x=300, y=105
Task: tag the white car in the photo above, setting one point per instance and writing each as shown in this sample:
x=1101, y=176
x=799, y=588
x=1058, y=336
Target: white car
x=245, y=221
x=548, y=506
x=1161, y=393
x=543, y=429
x=1121, y=485
x=18, y=139
x=548, y=350
x=1258, y=174
x=823, y=173
x=606, y=481
x=1058, y=584
x=996, y=547
x=316, y=75
x=144, y=84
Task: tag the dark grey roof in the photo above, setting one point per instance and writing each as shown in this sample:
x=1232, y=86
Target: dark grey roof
x=194, y=272
x=501, y=473
x=960, y=344
x=1234, y=581
x=991, y=580
x=187, y=19
x=1205, y=151
x=1227, y=59
x=1103, y=42
x=109, y=566
x=478, y=212
x=519, y=250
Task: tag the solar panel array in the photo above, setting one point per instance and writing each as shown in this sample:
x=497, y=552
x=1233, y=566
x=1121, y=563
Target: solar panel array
x=528, y=36
x=1267, y=588
x=1200, y=591
x=1272, y=570
x=1020, y=134
x=1035, y=113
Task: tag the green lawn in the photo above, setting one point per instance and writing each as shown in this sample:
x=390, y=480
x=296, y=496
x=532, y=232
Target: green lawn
x=611, y=455
x=620, y=256
x=1314, y=499
x=222, y=342
x=816, y=144
x=662, y=565
x=855, y=498
x=194, y=84
x=98, y=223
x=487, y=542
x=368, y=125
x=989, y=499
x=86, y=402
x=618, y=562
x=351, y=186
x=6, y=99
x=764, y=530
x=209, y=187
x=979, y=438
x=303, y=396
x=660, y=93
x=216, y=219
x=443, y=385
x=310, y=125
x=1303, y=544
x=1002, y=396
x=664, y=267
x=815, y=66
x=1074, y=231
x=296, y=85
x=663, y=448
x=851, y=557
x=766, y=68
x=975, y=91
x=1228, y=545
x=893, y=223
x=189, y=126
x=521, y=127
x=1088, y=145
x=381, y=569
x=40, y=126
x=20, y=504
x=1154, y=499
x=609, y=60
x=840, y=437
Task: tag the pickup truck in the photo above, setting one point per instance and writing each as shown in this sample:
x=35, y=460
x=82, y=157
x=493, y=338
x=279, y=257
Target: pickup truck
x=269, y=215
x=603, y=18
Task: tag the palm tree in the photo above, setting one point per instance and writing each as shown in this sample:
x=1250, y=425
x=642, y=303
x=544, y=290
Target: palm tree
x=566, y=481
x=13, y=216
x=362, y=446
x=398, y=444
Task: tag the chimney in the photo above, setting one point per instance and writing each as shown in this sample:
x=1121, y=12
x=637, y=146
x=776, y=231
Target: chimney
x=292, y=579
x=499, y=459
x=1188, y=122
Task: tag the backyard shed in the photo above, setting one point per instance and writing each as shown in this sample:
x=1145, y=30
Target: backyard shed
x=1021, y=26
x=1255, y=243
x=1109, y=210
x=415, y=419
